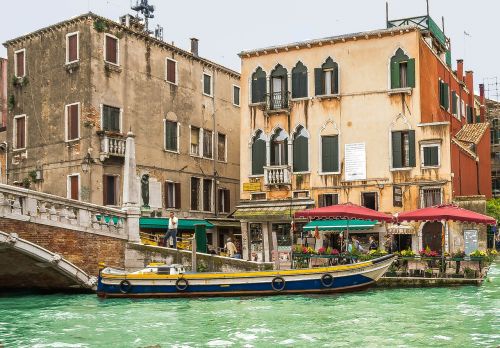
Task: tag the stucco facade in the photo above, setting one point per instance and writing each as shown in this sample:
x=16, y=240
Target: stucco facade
x=119, y=82
x=363, y=108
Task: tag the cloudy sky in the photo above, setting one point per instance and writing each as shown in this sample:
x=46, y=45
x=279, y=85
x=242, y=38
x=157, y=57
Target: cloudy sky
x=226, y=27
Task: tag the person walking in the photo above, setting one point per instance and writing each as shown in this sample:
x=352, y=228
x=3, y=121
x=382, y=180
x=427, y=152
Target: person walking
x=172, y=230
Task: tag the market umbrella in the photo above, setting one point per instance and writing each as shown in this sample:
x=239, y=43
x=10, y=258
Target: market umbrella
x=347, y=211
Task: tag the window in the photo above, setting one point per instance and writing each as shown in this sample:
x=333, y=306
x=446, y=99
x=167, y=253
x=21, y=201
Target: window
x=429, y=153
x=20, y=63
x=236, y=95
x=402, y=70
x=369, y=200
x=258, y=86
x=73, y=186
x=111, y=118
x=171, y=75
x=300, y=194
x=172, y=195
x=111, y=49
x=171, y=136
x=20, y=132
x=72, y=48
x=207, y=84
x=207, y=144
x=329, y=153
x=110, y=190
x=221, y=147
x=455, y=104
x=300, y=150
x=195, y=141
x=72, y=121
x=444, y=97
x=224, y=201
x=279, y=88
x=299, y=81
x=328, y=199
x=463, y=109
x=430, y=197
x=326, y=78
x=279, y=148
x=403, y=149
x=260, y=196
x=470, y=114
x=195, y=193
x=207, y=194
x=258, y=153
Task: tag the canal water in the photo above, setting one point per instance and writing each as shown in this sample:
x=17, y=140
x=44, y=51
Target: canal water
x=426, y=317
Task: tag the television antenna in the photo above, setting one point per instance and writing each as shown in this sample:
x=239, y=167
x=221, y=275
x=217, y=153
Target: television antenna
x=146, y=10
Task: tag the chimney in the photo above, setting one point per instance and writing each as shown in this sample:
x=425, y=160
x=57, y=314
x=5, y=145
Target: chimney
x=460, y=69
x=194, y=46
x=482, y=105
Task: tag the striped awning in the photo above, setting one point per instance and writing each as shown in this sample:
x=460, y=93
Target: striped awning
x=339, y=225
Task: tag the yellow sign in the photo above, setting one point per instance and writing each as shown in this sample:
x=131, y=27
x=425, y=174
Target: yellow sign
x=251, y=186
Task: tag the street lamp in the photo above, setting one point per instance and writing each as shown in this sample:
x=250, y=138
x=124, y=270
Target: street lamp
x=86, y=162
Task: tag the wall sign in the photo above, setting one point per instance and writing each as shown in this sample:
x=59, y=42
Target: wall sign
x=470, y=241
x=397, y=196
x=355, y=162
x=252, y=186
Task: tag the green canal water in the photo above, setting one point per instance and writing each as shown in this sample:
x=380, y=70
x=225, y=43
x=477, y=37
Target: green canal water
x=427, y=317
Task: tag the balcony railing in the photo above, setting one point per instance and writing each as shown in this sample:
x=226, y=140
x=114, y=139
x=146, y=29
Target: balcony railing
x=422, y=22
x=112, y=145
x=277, y=101
x=277, y=175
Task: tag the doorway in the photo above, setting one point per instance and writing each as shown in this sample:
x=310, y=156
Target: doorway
x=431, y=236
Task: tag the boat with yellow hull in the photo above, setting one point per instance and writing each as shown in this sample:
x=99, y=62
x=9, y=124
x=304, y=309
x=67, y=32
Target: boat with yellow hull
x=172, y=281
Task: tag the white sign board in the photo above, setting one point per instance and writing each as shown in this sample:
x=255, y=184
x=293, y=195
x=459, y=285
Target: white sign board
x=355, y=161
x=470, y=241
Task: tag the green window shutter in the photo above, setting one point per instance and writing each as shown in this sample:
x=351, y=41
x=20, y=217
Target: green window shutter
x=397, y=155
x=336, y=80
x=441, y=93
x=434, y=155
x=446, y=96
x=300, y=154
x=303, y=84
x=453, y=102
x=410, y=73
x=258, y=157
x=295, y=85
x=329, y=153
x=427, y=156
x=411, y=140
x=394, y=74
x=470, y=116
x=318, y=81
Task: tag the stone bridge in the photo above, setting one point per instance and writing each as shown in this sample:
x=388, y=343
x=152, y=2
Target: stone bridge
x=45, y=235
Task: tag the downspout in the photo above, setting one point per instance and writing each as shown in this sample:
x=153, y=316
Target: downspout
x=477, y=176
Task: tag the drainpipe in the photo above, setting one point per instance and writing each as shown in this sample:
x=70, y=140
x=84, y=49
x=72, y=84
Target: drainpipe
x=477, y=175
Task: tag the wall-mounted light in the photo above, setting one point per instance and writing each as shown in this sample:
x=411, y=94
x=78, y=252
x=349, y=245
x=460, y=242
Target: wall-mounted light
x=86, y=162
x=38, y=174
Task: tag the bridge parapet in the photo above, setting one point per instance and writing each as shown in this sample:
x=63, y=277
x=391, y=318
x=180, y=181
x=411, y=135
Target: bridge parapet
x=28, y=205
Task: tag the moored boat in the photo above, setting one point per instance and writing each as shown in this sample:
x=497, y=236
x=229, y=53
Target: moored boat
x=172, y=281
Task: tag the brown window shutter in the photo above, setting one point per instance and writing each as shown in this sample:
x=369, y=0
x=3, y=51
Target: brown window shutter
x=111, y=50
x=165, y=188
x=105, y=200
x=73, y=121
x=74, y=187
x=20, y=133
x=171, y=71
x=219, y=200
x=321, y=201
x=20, y=63
x=227, y=201
x=177, y=195
x=72, y=48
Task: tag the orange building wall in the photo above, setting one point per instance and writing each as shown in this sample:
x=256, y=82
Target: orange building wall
x=465, y=173
x=483, y=151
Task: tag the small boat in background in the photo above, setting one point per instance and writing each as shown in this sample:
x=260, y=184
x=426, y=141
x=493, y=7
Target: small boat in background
x=159, y=280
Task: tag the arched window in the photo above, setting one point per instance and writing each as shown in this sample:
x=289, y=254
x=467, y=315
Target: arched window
x=326, y=78
x=402, y=70
x=299, y=81
x=259, y=86
x=301, y=150
x=279, y=88
x=279, y=148
x=258, y=153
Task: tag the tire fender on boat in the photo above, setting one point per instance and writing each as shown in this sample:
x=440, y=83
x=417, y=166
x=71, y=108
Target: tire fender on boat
x=181, y=284
x=278, y=283
x=327, y=280
x=125, y=286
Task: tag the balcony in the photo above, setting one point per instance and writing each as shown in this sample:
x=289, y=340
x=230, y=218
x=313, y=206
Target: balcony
x=425, y=23
x=278, y=102
x=111, y=146
x=277, y=175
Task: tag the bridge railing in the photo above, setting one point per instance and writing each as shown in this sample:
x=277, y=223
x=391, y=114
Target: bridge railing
x=28, y=205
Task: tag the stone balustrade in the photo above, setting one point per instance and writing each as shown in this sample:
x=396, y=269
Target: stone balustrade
x=112, y=146
x=28, y=205
x=277, y=175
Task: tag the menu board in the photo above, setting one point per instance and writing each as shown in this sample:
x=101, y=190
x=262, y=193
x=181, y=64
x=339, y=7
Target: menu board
x=470, y=241
x=355, y=162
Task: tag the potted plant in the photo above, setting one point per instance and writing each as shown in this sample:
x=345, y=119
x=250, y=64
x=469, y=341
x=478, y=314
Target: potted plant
x=469, y=273
x=478, y=255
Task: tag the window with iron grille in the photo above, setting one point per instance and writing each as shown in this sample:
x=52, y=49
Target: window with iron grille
x=430, y=197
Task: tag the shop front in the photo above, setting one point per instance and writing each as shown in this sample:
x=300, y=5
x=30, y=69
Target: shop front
x=224, y=229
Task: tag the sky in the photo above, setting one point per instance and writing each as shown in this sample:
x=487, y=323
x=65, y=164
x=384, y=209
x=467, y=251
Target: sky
x=227, y=27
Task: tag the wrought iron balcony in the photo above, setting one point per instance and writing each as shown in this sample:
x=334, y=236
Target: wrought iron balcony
x=112, y=146
x=277, y=175
x=278, y=101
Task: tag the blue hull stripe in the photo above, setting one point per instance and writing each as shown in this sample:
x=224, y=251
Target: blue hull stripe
x=311, y=285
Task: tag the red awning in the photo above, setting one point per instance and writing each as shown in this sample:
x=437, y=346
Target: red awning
x=446, y=212
x=343, y=211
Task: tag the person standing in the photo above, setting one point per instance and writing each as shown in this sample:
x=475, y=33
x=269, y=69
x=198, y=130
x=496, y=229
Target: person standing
x=231, y=248
x=373, y=244
x=172, y=229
